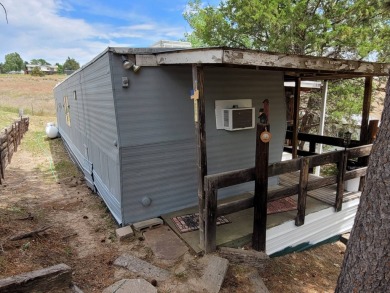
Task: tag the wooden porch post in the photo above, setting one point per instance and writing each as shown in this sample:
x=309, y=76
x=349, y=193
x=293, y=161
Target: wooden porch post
x=200, y=132
x=297, y=101
x=366, y=110
x=302, y=192
x=364, y=138
x=341, y=166
x=210, y=233
x=261, y=190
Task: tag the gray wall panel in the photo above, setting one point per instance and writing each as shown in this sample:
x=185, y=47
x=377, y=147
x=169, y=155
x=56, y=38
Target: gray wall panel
x=156, y=107
x=93, y=127
x=164, y=172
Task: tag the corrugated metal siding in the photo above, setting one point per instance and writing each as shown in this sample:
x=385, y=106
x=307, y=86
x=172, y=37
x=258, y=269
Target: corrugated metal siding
x=93, y=129
x=155, y=121
x=318, y=227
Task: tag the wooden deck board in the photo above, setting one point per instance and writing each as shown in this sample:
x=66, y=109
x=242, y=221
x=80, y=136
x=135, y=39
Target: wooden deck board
x=325, y=194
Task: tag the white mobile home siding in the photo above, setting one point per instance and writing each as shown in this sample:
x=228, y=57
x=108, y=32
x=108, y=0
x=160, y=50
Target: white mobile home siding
x=92, y=133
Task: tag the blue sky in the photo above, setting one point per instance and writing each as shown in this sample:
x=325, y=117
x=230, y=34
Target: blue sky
x=81, y=29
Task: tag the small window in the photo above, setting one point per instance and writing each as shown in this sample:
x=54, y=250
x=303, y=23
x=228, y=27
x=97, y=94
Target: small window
x=67, y=110
x=75, y=95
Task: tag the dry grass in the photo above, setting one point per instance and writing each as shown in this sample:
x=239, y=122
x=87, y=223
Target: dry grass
x=32, y=94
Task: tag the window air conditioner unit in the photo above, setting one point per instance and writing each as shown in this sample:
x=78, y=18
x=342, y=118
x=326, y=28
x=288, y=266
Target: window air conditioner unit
x=238, y=118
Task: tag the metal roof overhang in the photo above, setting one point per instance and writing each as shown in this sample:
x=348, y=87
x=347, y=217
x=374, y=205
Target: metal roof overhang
x=305, y=67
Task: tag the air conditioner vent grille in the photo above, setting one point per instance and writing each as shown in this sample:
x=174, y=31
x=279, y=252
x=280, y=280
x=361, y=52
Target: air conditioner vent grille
x=238, y=118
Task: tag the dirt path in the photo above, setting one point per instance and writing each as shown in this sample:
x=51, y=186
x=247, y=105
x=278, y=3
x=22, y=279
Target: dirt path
x=82, y=234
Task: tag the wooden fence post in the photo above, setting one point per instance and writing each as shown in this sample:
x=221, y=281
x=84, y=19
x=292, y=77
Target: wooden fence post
x=2, y=163
x=1, y=160
x=341, y=166
x=261, y=190
x=19, y=133
x=7, y=139
x=16, y=139
x=21, y=123
x=303, y=180
x=210, y=242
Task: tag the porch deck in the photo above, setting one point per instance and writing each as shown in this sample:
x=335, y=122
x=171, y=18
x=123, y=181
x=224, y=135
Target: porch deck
x=321, y=222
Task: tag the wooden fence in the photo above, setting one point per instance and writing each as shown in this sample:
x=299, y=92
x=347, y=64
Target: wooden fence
x=10, y=138
x=216, y=181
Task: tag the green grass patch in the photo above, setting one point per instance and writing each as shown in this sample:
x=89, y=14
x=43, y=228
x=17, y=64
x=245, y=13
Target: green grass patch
x=65, y=168
x=7, y=118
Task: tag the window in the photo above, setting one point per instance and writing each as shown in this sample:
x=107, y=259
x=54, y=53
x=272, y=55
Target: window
x=67, y=110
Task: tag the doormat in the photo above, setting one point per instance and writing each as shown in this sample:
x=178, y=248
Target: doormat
x=281, y=205
x=190, y=222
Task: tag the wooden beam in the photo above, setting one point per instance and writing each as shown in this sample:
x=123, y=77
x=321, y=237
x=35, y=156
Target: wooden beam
x=297, y=101
x=315, y=67
x=319, y=64
x=56, y=278
x=198, y=56
x=200, y=132
x=312, y=149
x=1, y=165
x=282, y=167
x=326, y=158
x=210, y=233
x=235, y=206
x=230, y=178
x=261, y=190
x=300, y=153
x=361, y=151
x=329, y=140
x=355, y=173
x=303, y=181
x=364, y=138
x=321, y=182
x=366, y=110
x=7, y=135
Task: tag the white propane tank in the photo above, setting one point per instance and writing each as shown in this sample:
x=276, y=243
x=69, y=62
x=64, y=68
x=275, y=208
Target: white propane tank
x=51, y=130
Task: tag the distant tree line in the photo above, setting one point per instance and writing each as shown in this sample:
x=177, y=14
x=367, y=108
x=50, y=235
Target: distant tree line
x=13, y=62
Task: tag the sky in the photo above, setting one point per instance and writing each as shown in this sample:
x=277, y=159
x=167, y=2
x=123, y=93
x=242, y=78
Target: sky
x=81, y=29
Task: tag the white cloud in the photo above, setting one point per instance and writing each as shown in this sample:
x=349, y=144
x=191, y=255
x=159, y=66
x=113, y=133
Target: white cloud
x=39, y=29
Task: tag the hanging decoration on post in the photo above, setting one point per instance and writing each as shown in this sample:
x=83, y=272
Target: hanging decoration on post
x=262, y=116
x=264, y=112
x=265, y=136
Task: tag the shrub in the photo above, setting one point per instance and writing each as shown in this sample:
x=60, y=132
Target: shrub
x=37, y=72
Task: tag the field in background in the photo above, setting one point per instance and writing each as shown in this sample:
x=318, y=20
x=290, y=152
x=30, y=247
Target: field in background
x=35, y=96
x=32, y=94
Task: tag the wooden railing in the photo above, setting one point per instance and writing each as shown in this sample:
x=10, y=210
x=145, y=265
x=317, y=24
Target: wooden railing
x=10, y=138
x=216, y=181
